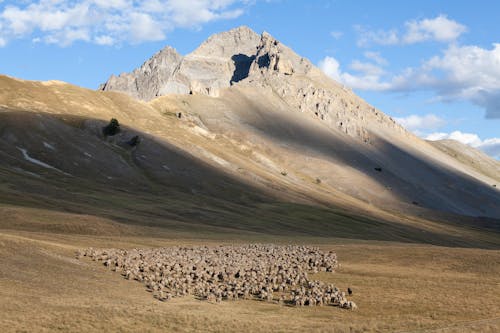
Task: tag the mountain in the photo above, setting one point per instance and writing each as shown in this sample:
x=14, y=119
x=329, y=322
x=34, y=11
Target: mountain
x=241, y=141
x=214, y=65
x=241, y=136
x=470, y=157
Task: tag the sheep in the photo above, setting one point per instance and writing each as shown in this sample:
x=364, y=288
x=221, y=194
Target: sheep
x=253, y=271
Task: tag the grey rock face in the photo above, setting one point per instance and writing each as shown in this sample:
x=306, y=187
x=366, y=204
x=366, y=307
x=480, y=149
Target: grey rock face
x=146, y=82
x=305, y=88
x=241, y=56
x=217, y=63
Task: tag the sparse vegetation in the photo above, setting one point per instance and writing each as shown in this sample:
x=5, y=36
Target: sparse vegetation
x=112, y=128
x=134, y=141
x=284, y=173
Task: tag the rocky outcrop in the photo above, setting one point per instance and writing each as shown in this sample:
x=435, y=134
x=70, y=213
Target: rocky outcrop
x=274, y=57
x=305, y=88
x=147, y=81
x=240, y=56
x=220, y=61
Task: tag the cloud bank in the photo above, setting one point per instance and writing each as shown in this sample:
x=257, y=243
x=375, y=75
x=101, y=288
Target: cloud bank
x=439, y=29
x=416, y=123
x=461, y=73
x=489, y=146
x=108, y=22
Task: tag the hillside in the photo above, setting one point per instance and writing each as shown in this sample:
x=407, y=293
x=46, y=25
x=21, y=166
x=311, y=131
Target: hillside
x=283, y=142
x=241, y=141
x=470, y=157
x=288, y=106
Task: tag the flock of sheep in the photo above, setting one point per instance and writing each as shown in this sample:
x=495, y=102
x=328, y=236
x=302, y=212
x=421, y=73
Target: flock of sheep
x=271, y=273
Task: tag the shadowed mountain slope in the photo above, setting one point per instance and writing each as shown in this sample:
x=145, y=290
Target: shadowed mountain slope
x=470, y=157
x=256, y=140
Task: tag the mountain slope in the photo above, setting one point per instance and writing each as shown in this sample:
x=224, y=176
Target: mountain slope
x=470, y=157
x=278, y=149
x=285, y=87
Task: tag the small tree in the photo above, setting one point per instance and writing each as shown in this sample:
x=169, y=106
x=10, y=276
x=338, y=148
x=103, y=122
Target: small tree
x=134, y=141
x=112, y=128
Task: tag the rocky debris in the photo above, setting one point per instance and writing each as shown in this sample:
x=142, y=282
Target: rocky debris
x=270, y=273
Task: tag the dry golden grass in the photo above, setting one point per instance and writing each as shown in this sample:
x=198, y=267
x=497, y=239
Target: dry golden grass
x=398, y=287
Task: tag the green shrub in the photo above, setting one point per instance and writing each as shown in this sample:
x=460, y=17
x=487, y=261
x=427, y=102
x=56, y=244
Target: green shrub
x=134, y=141
x=112, y=128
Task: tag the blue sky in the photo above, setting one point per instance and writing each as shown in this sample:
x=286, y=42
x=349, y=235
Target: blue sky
x=432, y=65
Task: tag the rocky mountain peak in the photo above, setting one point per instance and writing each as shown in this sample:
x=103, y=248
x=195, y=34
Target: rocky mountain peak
x=241, y=40
x=273, y=56
x=146, y=81
x=242, y=57
x=221, y=61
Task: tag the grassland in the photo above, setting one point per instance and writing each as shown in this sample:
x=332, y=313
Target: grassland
x=398, y=287
x=413, y=268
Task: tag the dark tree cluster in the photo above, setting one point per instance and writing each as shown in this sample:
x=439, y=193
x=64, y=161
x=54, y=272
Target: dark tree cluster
x=112, y=128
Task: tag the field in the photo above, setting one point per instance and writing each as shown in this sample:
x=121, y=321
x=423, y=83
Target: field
x=240, y=168
x=398, y=287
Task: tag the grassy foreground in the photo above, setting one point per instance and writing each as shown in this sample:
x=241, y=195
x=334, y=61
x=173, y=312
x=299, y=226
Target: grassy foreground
x=398, y=287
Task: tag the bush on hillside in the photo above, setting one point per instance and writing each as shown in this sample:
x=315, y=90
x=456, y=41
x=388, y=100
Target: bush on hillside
x=134, y=141
x=112, y=128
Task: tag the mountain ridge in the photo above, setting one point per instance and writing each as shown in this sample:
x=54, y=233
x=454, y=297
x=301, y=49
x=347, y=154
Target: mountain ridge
x=281, y=135
x=226, y=59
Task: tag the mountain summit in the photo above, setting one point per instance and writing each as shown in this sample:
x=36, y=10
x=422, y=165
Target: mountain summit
x=215, y=64
x=242, y=57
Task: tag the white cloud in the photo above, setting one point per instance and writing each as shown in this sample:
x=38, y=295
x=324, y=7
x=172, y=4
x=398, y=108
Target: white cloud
x=366, y=68
x=469, y=73
x=109, y=21
x=368, y=36
x=417, y=123
x=104, y=40
x=114, y=4
x=375, y=56
x=331, y=67
x=465, y=138
x=68, y=36
x=336, y=34
x=489, y=146
x=461, y=73
x=145, y=28
x=368, y=79
x=439, y=29
x=185, y=13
